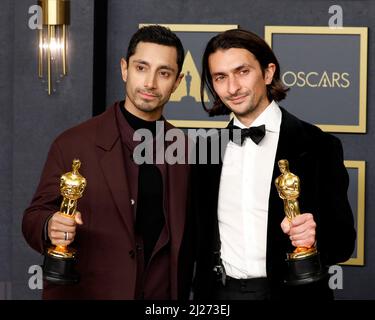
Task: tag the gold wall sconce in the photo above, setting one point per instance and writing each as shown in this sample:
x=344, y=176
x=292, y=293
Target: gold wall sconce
x=52, y=64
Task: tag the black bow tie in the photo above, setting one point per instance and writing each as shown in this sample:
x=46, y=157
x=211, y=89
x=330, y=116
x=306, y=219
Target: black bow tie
x=255, y=133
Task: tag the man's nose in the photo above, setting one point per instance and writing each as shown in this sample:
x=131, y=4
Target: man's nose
x=150, y=81
x=233, y=85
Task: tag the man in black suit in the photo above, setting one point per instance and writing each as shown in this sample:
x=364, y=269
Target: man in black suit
x=243, y=234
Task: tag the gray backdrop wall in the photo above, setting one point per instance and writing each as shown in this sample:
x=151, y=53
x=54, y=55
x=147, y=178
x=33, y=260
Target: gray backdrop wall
x=6, y=84
x=30, y=120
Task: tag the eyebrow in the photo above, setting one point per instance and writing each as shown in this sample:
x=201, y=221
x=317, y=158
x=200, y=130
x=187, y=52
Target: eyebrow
x=244, y=65
x=164, y=67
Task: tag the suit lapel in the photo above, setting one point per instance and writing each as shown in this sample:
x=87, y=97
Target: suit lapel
x=221, y=141
x=290, y=147
x=177, y=200
x=177, y=177
x=213, y=175
x=111, y=159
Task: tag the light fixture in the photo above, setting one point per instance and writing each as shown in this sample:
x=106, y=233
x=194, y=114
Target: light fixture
x=52, y=65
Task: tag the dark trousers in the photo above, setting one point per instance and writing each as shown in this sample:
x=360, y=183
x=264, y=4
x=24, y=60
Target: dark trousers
x=243, y=289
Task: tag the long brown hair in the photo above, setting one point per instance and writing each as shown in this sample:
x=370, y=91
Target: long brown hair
x=242, y=39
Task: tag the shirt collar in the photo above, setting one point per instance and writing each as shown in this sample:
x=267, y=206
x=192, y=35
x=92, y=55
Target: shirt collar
x=270, y=117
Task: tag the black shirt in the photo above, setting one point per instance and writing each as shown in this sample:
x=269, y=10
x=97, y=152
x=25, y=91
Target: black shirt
x=149, y=220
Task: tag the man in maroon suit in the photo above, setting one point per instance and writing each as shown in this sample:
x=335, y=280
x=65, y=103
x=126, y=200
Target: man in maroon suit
x=132, y=229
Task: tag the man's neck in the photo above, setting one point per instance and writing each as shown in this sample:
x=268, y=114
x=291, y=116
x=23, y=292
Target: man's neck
x=146, y=116
x=137, y=123
x=249, y=118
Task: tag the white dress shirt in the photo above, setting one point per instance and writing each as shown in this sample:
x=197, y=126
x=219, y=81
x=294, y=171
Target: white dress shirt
x=243, y=198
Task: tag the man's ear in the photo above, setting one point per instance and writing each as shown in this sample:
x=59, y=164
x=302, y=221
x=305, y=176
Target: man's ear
x=124, y=69
x=178, y=81
x=269, y=72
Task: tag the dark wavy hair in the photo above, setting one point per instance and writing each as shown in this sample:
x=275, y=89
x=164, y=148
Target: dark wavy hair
x=242, y=39
x=158, y=35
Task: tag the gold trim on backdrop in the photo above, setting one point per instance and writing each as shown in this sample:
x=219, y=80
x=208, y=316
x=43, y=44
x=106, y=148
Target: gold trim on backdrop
x=196, y=28
x=363, y=34
x=361, y=166
x=198, y=124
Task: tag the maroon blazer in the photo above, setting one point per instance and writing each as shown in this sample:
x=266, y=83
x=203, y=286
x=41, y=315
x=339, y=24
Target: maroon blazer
x=106, y=240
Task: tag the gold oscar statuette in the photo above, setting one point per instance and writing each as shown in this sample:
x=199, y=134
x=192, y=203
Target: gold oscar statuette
x=59, y=260
x=303, y=263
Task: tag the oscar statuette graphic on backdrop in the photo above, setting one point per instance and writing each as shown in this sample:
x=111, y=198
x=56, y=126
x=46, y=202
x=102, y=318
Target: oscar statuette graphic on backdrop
x=59, y=260
x=303, y=264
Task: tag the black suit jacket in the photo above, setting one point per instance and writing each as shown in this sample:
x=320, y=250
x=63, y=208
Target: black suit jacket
x=317, y=158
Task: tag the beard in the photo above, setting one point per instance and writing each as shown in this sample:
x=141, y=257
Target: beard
x=144, y=104
x=241, y=109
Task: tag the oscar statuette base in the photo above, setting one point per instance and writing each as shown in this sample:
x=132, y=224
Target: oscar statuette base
x=304, y=270
x=59, y=270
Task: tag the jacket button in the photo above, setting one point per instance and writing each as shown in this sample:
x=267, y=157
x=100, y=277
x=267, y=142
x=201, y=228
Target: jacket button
x=132, y=202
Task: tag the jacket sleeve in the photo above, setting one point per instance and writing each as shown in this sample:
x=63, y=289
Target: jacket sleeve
x=335, y=229
x=45, y=202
